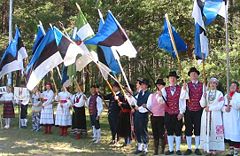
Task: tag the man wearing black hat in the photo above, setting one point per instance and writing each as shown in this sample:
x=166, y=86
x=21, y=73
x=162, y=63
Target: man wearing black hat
x=141, y=118
x=194, y=91
x=156, y=104
x=114, y=110
x=175, y=107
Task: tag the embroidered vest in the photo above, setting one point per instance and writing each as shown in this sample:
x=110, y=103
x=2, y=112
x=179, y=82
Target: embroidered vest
x=93, y=105
x=173, y=100
x=195, y=94
x=157, y=108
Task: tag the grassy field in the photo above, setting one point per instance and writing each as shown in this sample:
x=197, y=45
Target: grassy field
x=15, y=141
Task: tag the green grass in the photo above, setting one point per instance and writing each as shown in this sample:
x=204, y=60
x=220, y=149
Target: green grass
x=15, y=141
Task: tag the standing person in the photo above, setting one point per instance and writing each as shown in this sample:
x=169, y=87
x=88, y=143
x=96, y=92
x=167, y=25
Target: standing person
x=36, y=109
x=141, y=118
x=95, y=107
x=124, y=124
x=211, y=135
x=8, y=109
x=63, y=116
x=79, y=116
x=114, y=110
x=156, y=104
x=46, y=118
x=194, y=91
x=175, y=108
x=23, y=101
x=231, y=119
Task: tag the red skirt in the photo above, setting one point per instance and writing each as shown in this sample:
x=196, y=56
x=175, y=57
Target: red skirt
x=8, y=110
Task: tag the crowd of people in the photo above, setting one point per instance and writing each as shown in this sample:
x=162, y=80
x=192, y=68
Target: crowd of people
x=211, y=118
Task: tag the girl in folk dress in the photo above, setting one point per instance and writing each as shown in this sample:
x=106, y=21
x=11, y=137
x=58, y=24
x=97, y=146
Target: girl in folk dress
x=36, y=109
x=63, y=115
x=46, y=118
x=211, y=135
x=8, y=110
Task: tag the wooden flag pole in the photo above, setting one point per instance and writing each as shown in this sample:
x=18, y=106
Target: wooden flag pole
x=227, y=47
x=174, y=46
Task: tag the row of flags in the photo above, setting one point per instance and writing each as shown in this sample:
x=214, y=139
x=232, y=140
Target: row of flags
x=53, y=48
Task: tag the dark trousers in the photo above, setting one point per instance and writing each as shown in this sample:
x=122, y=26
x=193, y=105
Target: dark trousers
x=94, y=122
x=193, y=122
x=24, y=109
x=141, y=123
x=113, y=123
x=158, y=130
x=79, y=118
x=173, y=125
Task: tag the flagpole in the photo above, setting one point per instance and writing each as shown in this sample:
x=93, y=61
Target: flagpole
x=227, y=46
x=174, y=45
x=9, y=75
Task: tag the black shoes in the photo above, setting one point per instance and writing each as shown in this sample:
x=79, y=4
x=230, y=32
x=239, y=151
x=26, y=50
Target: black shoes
x=188, y=152
x=137, y=152
x=198, y=152
x=169, y=153
x=178, y=152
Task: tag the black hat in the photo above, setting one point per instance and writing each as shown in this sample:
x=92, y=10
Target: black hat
x=132, y=87
x=115, y=84
x=193, y=69
x=173, y=74
x=145, y=81
x=139, y=79
x=161, y=82
x=94, y=86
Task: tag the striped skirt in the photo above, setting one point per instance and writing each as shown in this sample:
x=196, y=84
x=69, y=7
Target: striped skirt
x=8, y=110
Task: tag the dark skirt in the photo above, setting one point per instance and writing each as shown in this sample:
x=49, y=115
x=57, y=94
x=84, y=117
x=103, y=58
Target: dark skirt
x=79, y=118
x=8, y=110
x=124, y=126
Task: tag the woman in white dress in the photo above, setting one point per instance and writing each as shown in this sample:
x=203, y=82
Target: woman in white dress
x=46, y=118
x=211, y=135
x=63, y=114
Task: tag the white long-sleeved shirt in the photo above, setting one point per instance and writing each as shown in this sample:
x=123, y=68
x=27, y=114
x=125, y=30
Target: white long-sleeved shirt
x=49, y=95
x=81, y=97
x=7, y=97
x=99, y=105
x=182, y=99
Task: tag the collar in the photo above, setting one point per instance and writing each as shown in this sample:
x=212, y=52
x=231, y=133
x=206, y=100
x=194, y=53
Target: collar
x=195, y=82
x=117, y=92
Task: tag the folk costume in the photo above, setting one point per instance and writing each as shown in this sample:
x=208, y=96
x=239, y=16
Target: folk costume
x=79, y=116
x=36, y=111
x=156, y=105
x=95, y=107
x=63, y=116
x=231, y=122
x=47, y=118
x=141, y=120
x=211, y=134
x=8, y=109
x=193, y=114
x=175, y=105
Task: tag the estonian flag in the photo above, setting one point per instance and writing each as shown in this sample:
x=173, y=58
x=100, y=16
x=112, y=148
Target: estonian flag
x=200, y=39
x=54, y=49
x=39, y=36
x=212, y=8
x=164, y=41
x=107, y=55
x=12, y=59
x=112, y=35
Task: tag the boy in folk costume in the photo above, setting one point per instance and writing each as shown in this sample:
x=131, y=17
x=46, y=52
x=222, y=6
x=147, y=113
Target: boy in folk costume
x=95, y=106
x=8, y=109
x=194, y=90
x=79, y=116
x=211, y=135
x=23, y=102
x=114, y=110
x=46, y=118
x=36, y=109
x=156, y=104
x=175, y=108
x=141, y=118
x=231, y=119
x=63, y=116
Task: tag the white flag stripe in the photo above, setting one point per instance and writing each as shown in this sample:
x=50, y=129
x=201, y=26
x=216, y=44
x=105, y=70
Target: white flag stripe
x=85, y=32
x=104, y=70
x=204, y=44
x=71, y=54
x=197, y=15
x=223, y=10
x=46, y=66
x=126, y=49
